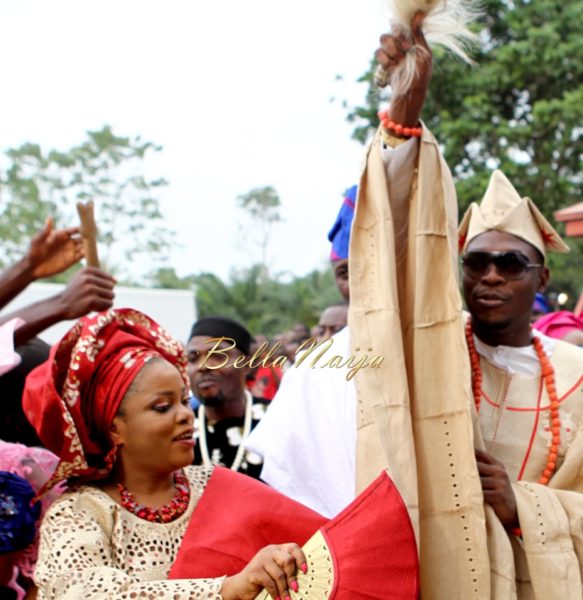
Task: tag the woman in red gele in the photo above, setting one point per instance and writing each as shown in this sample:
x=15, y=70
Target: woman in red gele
x=137, y=520
x=112, y=403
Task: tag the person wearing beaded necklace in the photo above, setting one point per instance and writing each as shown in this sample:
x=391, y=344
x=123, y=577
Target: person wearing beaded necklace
x=526, y=386
x=112, y=403
x=227, y=412
x=501, y=522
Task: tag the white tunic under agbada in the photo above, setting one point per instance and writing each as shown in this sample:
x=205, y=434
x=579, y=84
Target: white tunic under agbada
x=308, y=436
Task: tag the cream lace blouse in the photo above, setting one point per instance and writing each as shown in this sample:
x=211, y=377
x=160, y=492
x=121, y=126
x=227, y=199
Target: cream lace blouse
x=93, y=548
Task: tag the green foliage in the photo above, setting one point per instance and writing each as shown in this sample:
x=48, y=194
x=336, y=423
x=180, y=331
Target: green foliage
x=365, y=117
x=267, y=306
x=106, y=169
x=520, y=109
x=262, y=204
x=566, y=272
x=261, y=208
x=166, y=278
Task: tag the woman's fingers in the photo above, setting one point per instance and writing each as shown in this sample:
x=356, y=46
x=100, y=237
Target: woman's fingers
x=285, y=561
x=298, y=556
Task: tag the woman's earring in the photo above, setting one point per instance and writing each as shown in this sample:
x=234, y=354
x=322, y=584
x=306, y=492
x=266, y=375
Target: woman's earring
x=111, y=456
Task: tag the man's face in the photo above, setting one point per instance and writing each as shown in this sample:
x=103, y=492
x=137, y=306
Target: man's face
x=299, y=329
x=494, y=299
x=332, y=320
x=340, y=268
x=214, y=386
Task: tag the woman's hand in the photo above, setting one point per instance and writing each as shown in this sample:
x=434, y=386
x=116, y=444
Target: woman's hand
x=273, y=568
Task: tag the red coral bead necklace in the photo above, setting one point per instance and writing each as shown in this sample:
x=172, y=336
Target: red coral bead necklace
x=169, y=512
x=548, y=375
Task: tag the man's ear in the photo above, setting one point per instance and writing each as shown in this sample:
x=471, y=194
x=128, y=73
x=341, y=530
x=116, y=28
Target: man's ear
x=545, y=276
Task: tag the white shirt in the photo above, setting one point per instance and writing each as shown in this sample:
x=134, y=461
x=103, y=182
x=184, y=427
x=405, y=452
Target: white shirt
x=308, y=436
x=8, y=358
x=521, y=360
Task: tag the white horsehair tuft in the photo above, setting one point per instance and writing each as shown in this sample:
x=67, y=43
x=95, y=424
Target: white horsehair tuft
x=446, y=24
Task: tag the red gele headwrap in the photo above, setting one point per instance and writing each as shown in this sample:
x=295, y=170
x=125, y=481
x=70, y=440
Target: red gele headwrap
x=72, y=398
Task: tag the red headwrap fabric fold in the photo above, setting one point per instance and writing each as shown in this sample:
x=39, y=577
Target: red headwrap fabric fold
x=72, y=398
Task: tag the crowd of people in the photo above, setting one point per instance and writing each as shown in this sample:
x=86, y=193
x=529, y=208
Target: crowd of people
x=133, y=466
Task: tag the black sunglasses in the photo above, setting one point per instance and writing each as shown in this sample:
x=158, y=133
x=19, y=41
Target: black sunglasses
x=510, y=265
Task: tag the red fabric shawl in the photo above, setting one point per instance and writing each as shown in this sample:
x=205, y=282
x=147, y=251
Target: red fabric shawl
x=559, y=324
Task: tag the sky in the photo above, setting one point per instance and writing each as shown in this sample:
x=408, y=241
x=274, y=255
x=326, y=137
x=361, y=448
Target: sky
x=237, y=93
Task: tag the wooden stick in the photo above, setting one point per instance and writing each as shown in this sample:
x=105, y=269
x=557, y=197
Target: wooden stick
x=88, y=233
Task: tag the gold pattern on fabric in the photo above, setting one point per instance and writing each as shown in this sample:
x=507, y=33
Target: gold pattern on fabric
x=515, y=425
x=514, y=416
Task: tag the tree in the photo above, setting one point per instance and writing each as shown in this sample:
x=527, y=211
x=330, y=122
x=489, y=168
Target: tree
x=167, y=278
x=262, y=208
x=269, y=306
x=106, y=168
x=520, y=109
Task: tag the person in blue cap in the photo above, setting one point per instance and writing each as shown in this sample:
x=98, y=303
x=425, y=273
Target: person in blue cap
x=339, y=236
x=308, y=436
x=540, y=307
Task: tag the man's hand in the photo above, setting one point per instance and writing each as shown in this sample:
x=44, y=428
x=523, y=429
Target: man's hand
x=497, y=489
x=52, y=252
x=90, y=289
x=406, y=109
x=273, y=568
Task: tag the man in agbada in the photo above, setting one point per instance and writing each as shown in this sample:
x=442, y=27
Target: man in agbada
x=487, y=453
x=527, y=390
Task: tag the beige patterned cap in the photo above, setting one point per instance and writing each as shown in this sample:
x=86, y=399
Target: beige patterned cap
x=502, y=209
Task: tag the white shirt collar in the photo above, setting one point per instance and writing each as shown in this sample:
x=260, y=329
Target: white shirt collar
x=520, y=360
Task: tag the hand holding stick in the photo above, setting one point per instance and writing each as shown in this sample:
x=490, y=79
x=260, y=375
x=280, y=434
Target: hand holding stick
x=88, y=233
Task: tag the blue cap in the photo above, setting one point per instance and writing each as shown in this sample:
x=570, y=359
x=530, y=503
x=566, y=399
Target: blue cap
x=339, y=235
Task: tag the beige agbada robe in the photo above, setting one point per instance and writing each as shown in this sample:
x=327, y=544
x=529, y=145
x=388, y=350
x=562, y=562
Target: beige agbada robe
x=415, y=415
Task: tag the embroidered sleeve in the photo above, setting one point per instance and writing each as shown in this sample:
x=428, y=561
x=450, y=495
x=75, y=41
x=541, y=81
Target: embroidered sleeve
x=77, y=560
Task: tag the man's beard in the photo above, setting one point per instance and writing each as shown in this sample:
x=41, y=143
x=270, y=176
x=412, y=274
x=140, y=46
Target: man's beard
x=213, y=401
x=493, y=325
